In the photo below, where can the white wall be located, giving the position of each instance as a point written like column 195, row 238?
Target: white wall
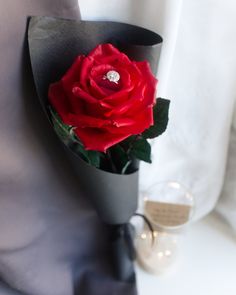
column 198, row 61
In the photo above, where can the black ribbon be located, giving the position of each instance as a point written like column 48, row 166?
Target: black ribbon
column 123, row 250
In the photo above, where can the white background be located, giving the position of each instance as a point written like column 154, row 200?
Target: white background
column 206, row 266
column 198, row 72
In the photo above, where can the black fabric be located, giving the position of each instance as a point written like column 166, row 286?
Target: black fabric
column 52, row 242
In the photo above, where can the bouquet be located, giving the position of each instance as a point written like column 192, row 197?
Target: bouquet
column 96, row 84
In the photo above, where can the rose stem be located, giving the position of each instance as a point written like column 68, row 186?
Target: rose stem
column 113, row 166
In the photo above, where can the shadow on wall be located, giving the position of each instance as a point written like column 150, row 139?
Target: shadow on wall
column 149, row 14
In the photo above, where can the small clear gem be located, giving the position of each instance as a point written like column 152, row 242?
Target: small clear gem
column 113, row 76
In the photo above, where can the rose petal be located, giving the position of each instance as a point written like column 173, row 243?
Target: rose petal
column 141, row 122
column 99, row 86
column 123, row 122
column 150, row 79
column 80, row 93
column 72, row 75
column 116, row 98
column 103, row 50
column 86, row 67
column 95, row 90
column 98, row 139
column 83, row 121
column 135, row 99
column 107, row 53
column 59, row 101
column 100, row 70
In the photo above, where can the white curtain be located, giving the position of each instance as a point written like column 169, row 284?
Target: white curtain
column 198, row 73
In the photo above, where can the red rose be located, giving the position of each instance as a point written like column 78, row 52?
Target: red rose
column 105, row 109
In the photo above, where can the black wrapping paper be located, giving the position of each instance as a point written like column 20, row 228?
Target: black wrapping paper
column 54, row 44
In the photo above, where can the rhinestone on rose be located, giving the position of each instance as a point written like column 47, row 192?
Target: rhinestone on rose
column 112, row 76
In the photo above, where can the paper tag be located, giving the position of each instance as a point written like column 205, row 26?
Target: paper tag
column 167, row 214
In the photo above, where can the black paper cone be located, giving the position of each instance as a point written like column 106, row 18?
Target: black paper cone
column 114, row 195
column 54, row 43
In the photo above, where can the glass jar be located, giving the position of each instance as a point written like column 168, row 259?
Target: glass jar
column 169, row 207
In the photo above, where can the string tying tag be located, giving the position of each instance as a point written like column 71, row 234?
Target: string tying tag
column 148, row 223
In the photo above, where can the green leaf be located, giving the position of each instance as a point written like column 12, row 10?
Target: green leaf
column 93, row 158
column 62, row 130
column 160, row 114
column 67, row 135
column 120, row 158
column 141, row 150
column 127, row 143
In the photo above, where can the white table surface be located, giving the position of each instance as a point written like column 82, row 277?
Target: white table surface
column 206, row 264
